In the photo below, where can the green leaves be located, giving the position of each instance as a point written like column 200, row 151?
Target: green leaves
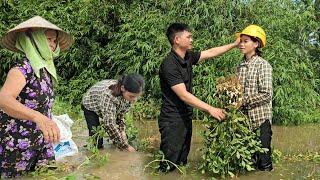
column 115, row 37
column 229, row 145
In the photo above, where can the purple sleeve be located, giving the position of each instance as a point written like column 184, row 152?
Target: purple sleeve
column 25, row 68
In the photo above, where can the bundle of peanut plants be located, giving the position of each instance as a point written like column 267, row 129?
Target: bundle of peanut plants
column 229, row 145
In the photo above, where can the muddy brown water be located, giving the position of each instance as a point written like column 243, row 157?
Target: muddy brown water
column 130, row 166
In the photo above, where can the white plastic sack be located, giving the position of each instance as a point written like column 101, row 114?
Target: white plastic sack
column 66, row 146
column 64, row 149
column 64, row 124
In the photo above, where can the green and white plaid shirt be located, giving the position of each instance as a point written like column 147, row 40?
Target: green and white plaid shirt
column 111, row 109
column 256, row 78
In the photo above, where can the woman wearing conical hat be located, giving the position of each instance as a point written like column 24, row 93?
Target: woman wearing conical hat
column 26, row 98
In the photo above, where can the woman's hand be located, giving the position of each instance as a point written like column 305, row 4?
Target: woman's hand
column 14, row 84
column 124, row 136
column 49, row 128
column 131, row 149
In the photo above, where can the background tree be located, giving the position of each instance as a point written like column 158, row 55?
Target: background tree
column 120, row 36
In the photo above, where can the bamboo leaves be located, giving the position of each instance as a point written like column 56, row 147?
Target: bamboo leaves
column 114, row 37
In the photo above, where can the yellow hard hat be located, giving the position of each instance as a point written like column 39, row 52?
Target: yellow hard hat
column 256, row 32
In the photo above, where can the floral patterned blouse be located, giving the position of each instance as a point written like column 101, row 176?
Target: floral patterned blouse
column 22, row 145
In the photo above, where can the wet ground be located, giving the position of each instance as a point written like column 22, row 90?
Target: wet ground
column 290, row 141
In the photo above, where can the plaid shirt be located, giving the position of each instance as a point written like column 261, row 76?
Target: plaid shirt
column 256, row 78
column 111, row 109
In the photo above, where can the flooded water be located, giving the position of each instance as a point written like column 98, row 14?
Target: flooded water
column 290, row 140
column 130, row 166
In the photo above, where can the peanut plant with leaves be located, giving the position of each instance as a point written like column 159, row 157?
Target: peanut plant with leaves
column 229, row 145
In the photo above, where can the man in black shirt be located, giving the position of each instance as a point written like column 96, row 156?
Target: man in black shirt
column 175, row 121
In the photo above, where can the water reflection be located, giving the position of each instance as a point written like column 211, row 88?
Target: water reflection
column 130, row 166
column 289, row 140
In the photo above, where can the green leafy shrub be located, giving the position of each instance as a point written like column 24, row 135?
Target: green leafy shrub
column 146, row 109
column 121, row 36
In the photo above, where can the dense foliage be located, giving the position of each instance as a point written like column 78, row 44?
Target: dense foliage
column 118, row 36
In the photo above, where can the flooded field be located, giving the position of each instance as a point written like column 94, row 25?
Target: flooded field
column 290, row 140
column 295, row 140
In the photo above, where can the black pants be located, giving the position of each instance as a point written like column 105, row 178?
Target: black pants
column 175, row 143
column 92, row 120
column 263, row 160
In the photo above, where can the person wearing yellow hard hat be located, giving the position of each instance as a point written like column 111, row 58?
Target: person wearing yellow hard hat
column 26, row 98
column 255, row 74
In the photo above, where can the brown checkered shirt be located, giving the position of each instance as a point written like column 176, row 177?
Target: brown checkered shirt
column 256, row 78
column 111, row 109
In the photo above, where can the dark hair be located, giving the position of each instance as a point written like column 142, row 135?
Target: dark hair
column 258, row 52
column 133, row 83
column 176, row 28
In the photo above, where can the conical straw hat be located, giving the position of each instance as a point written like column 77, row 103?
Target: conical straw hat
column 9, row 39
